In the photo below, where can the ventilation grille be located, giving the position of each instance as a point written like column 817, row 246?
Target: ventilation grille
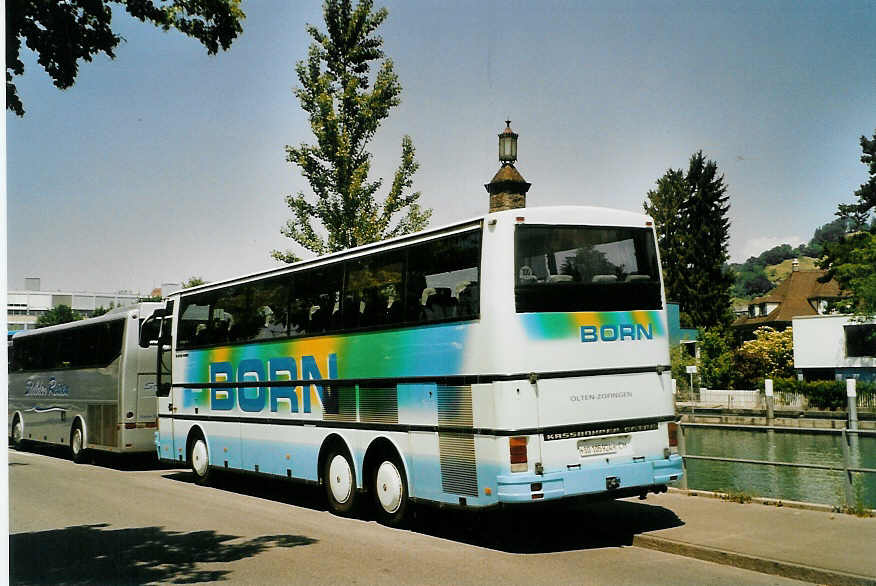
column 454, row 406
column 459, row 474
column 101, row 425
column 378, row 405
column 339, row 403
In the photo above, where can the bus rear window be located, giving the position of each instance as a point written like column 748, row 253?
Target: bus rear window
column 585, row 268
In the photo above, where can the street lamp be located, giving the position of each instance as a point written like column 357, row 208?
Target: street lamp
column 508, row 145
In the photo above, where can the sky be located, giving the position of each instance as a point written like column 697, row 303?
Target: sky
column 167, row 163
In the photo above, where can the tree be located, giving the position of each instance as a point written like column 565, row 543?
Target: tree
column 63, row 33
column 345, row 111
column 716, row 358
column 827, row 233
column 690, row 213
column 708, row 300
column 769, row 355
column 852, row 260
column 60, row 314
column 193, row 282
column 664, row 205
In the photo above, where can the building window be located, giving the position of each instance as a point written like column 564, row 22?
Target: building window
column 860, row 340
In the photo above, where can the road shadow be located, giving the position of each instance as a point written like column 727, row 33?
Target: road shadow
column 533, row 528
column 299, row 494
column 92, row 554
column 546, row 527
column 124, row 462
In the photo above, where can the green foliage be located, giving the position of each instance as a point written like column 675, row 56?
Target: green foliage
column 822, row 394
column 664, row 205
column 193, row 282
column 859, row 212
column 679, row 359
column 754, row 278
column 769, row 355
column 61, row 314
column 103, row 310
column 852, row 261
column 690, row 214
column 717, row 364
column 63, row 33
column 345, row 111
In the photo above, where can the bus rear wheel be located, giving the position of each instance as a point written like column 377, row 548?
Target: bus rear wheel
column 77, row 444
column 199, row 460
column 390, row 489
column 340, row 482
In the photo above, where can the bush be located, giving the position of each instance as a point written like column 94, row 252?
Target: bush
column 769, row 355
column 679, row 360
column 821, row 394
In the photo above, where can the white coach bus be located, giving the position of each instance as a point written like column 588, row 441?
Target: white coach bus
column 518, row 357
column 85, row 384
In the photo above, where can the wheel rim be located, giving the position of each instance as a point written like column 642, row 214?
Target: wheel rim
column 76, row 444
column 340, row 479
column 199, row 458
column 16, row 432
column 390, row 487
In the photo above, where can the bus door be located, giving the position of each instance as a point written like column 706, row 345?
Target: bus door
column 145, row 404
column 156, row 390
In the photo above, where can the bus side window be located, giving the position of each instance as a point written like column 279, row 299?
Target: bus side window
column 442, row 278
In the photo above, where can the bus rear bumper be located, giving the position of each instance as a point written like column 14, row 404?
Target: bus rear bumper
column 607, row 479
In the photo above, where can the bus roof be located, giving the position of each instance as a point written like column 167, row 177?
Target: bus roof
column 116, row 313
column 568, row 214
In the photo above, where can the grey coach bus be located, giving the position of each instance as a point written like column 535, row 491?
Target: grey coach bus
column 87, row 384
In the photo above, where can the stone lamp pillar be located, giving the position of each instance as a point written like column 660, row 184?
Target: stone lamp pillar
column 508, row 188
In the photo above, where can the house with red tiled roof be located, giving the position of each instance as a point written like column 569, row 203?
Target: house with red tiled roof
column 800, row 294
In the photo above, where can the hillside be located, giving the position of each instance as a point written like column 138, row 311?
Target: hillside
column 779, row 272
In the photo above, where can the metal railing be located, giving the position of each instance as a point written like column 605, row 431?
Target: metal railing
column 848, row 435
column 756, row 399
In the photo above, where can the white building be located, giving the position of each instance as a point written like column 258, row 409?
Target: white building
column 828, row 347
column 24, row 307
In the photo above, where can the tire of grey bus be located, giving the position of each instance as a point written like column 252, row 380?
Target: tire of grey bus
column 339, row 481
column 17, row 438
column 199, row 460
column 389, row 487
column 77, row 444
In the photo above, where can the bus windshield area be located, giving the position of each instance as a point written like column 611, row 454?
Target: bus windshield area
column 585, row 268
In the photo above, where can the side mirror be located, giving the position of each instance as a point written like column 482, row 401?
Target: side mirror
column 150, row 329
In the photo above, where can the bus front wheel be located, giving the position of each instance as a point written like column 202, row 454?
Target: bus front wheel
column 17, row 433
column 390, row 489
column 200, row 461
column 340, row 482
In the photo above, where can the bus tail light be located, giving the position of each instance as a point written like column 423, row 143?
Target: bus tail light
column 517, row 449
column 673, row 434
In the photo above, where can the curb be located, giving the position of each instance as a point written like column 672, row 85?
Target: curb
column 773, row 502
column 754, row 563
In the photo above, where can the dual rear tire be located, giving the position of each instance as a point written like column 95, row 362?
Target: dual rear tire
column 390, row 489
column 387, row 485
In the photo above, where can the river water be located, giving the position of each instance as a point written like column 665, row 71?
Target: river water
column 780, row 482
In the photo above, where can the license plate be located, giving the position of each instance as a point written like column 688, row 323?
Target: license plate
column 603, row 445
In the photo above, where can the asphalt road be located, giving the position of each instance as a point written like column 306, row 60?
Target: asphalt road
column 122, row 521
